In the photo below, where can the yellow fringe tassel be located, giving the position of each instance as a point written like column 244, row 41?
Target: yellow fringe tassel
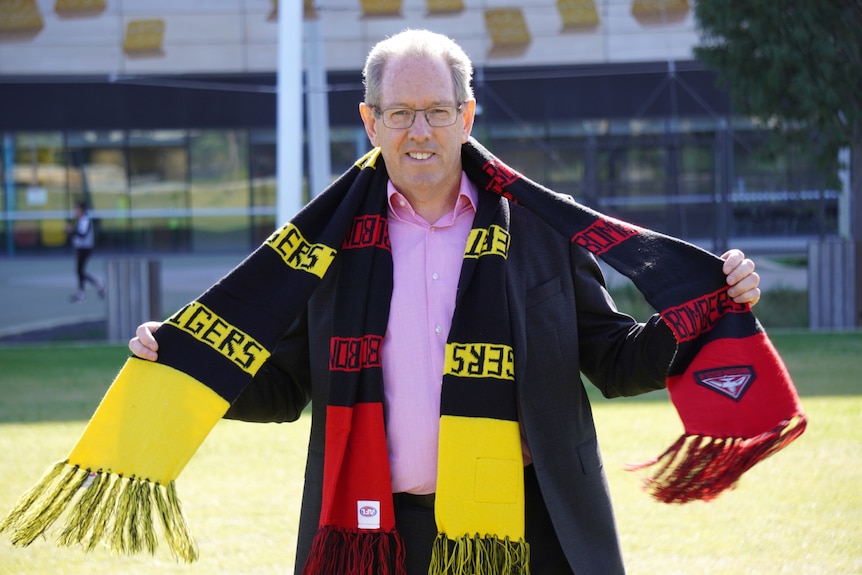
column 101, row 506
column 479, row 556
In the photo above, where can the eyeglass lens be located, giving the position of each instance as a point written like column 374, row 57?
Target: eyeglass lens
column 437, row 117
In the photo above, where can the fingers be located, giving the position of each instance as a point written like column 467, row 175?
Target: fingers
column 746, row 290
column 741, row 277
column 144, row 344
column 732, row 260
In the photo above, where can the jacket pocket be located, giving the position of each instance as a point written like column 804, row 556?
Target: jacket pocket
column 543, row 292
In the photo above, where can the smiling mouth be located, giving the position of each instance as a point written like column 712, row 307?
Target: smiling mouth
column 420, row 155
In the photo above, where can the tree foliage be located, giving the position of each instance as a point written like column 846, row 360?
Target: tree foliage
column 793, row 63
column 797, row 63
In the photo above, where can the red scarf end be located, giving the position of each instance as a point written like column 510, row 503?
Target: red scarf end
column 355, row 552
column 698, row 467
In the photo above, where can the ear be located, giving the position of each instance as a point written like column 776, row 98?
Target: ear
column 468, row 114
column 369, row 119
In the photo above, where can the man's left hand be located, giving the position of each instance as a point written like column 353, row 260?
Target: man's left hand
column 741, row 277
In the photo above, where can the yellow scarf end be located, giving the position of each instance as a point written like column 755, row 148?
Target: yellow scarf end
column 470, row 554
column 101, row 507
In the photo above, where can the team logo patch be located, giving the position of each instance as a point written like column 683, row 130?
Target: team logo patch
column 368, row 514
column 732, row 381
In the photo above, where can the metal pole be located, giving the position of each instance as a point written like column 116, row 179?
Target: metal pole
column 289, row 165
column 317, row 104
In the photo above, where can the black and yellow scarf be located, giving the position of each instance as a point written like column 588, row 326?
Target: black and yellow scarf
column 730, row 388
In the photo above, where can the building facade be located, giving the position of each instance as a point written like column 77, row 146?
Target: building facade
column 162, row 117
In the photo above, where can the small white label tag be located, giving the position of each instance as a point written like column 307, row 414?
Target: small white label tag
column 368, row 514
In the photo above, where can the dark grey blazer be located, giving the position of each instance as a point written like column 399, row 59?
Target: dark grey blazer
column 564, row 324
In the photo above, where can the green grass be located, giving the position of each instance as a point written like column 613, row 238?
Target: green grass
column 798, row 512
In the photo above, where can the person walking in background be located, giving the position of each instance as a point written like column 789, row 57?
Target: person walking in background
column 83, row 240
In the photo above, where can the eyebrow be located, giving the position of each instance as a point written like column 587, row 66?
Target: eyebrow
column 405, row 105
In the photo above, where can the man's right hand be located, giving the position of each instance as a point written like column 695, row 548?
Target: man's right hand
column 144, row 345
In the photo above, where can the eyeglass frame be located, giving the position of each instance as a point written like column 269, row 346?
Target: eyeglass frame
column 379, row 113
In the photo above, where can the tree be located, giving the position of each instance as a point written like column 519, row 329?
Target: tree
column 797, row 64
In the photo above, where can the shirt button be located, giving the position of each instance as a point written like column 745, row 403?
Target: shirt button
column 435, row 276
column 438, row 330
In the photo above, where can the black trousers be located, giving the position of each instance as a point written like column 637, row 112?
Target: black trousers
column 417, row 527
column 82, row 255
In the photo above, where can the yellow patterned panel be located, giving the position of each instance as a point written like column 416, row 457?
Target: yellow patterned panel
column 508, row 30
column 651, row 12
column 144, row 36
column 79, row 7
column 381, row 7
column 578, row 14
column 309, row 11
column 20, row 16
column 445, row 6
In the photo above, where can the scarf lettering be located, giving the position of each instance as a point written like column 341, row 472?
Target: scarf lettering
column 205, row 326
column 368, row 232
column 603, row 235
column 700, row 315
column 299, row 253
column 480, row 360
column 501, row 177
column 354, row 353
column 493, row 241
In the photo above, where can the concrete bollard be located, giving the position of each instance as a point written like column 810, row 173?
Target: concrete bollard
column 133, row 295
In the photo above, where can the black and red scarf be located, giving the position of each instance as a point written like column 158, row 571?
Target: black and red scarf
column 730, row 387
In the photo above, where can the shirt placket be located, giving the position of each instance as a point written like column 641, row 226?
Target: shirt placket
column 437, row 284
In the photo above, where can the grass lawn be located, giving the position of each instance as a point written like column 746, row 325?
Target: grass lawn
column 798, row 512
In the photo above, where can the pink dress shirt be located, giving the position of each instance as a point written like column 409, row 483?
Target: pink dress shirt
column 427, row 263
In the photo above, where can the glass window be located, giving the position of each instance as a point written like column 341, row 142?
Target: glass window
column 7, row 192
column 779, row 191
column 695, row 201
column 220, row 192
column 39, row 200
column 262, row 155
column 346, row 146
column 566, row 166
column 97, row 174
column 158, row 189
column 633, row 180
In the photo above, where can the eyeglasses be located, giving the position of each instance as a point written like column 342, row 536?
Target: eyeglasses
column 403, row 118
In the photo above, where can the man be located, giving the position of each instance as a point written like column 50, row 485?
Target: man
column 83, row 240
column 419, row 110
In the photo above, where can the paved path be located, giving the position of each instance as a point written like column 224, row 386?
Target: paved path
column 34, row 291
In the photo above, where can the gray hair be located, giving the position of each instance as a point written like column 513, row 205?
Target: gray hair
column 421, row 43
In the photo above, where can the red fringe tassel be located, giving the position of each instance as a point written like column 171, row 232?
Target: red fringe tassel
column 353, row 552
column 698, row 467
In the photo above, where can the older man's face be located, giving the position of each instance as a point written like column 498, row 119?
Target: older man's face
column 421, row 160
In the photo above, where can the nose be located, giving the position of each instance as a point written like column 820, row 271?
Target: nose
column 420, row 129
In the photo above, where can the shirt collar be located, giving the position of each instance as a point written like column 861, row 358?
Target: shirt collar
column 400, row 208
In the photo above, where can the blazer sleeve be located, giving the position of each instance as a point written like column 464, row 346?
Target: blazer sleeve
column 618, row 355
column 281, row 389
